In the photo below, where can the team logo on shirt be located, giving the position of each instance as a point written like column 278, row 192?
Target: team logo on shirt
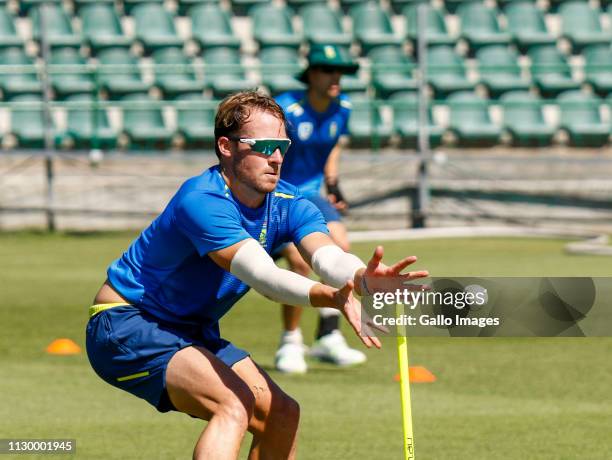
column 263, row 236
column 333, row 129
column 305, row 130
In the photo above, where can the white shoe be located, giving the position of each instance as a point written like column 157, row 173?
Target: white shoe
column 289, row 357
column 334, row 349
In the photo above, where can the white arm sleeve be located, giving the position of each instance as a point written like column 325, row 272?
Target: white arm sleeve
column 334, row 266
column 252, row 265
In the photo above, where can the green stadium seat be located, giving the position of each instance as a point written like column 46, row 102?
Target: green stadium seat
column 101, row 27
column 143, row 122
column 279, row 66
column 8, row 34
column 554, row 5
column 272, row 26
column 79, row 4
column 26, row 5
column 598, row 68
column 14, row 83
column 372, row 27
column 118, row 73
column 526, row 25
column 391, row 70
column 366, row 125
column 57, row 25
column 550, row 71
column 399, row 6
column 224, row 73
column 348, row 5
column 196, row 120
column 155, row 27
column 446, row 71
column 299, row 4
column 88, row 125
column 174, row 74
column 405, row 107
column 28, row 122
column 184, row 6
column 479, row 26
column 470, row 120
column 353, row 85
column 244, row 7
column 129, row 5
column 452, row 6
column 69, row 73
column 581, row 119
column 322, row 25
column 499, row 70
column 581, row 25
column 211, row 27
column 436, row 32
column 524, row 120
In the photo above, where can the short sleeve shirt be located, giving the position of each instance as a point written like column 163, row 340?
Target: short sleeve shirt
column 167, row 270
column 313, row 136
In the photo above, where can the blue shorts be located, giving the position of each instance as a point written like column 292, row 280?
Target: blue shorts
column 130, row 349
column 330, row 213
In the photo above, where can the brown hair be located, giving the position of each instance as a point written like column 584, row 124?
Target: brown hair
column 235, row 110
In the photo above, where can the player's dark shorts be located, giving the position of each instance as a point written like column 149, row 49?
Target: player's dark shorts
column 330, row 213
column 131, row 349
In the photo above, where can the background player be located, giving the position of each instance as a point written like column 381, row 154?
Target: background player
column 317, row 119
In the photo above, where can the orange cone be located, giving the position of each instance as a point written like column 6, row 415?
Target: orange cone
column 418, row 374
column 63, row 347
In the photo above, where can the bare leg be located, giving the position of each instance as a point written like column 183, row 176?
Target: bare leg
column 275, row 420
column 291, row 314
column 199, row 384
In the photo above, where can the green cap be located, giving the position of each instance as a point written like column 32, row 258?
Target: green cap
column 330, row 56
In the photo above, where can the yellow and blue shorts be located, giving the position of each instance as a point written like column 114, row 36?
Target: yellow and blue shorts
column 131, row 349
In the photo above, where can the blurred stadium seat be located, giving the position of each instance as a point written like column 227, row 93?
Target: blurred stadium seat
column 499, row 70
column 405, row 107
column 211, row 26
column 436, row 31
column 174, row 74
column 524, row 120
column 101, row 27
column 526, row 25
column 551, row 71
column 155, row 27
column 372, row 26
column 581, row 118
column 322, row 25
column 143, row 123
column 470, row 120
column 272, row 26
column 279, row 66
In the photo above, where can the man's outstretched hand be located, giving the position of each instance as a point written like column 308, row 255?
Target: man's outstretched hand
column 361, row 323
column 378, row 277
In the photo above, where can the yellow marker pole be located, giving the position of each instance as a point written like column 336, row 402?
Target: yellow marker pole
column 402, row 354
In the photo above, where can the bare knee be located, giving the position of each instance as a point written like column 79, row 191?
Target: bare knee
column 237, row 409
column 286, row 412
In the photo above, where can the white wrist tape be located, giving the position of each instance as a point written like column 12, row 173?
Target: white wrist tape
column 334, row 266
column 252, row 265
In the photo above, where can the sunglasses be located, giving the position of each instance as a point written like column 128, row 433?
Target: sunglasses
column 330, row 69
column 266, row 146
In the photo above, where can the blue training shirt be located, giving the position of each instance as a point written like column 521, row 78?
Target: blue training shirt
column 313, row 136
column 167, row 271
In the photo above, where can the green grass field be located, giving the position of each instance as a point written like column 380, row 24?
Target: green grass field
column 494, row 398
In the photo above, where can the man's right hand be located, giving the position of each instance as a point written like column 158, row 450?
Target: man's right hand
column 343, row 299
